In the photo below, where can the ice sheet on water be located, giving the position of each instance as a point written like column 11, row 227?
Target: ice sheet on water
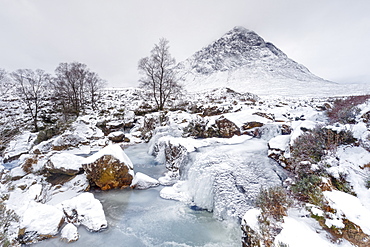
column 226, row 178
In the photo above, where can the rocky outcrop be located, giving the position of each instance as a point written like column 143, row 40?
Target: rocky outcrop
column 110, row 168
column 222, row 128
column 226, row 128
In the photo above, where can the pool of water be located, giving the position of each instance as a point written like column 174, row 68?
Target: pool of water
column 141, row 218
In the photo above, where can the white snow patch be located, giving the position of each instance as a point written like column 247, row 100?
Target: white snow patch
column 280, row 142
column 351, row 207
column 42, row 218
column 69, row 233
column 176, row 192
column 143, row 181
column 67, row 161
column 250, row 218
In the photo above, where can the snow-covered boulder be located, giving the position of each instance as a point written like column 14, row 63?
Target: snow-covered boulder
column 84, row 209
column 116, row 136
column 68, row 140
column 109, row 168
column 69, row 233
column 64, row 163
column 129, row 119
column 115, row 125
column 278, row 146
column 142, row 181
column 40, row 221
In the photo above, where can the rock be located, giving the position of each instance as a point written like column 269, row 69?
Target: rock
column 278, row 145
column 324, row 107
column 223, row 128
column 102, row 125
column 117, row 136
column 40, row 221
column 215, row 110
column 227, row 129
column 109, row 168
column 142, row 181
column 27, row 165
column 84, row 209
column 366, row 117
column 250, row 228
column 286, row 129
column 68, row 140
column 68, row 189
column 175, row 155
column 115, row 125
column 129, row 119
column 251, row 125
column 69, row 233
column 269, row 116
column 64, row 163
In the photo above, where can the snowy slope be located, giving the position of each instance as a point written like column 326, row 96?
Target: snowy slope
column 243, row 61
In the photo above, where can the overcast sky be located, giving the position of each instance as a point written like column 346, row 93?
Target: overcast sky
column 330, row 37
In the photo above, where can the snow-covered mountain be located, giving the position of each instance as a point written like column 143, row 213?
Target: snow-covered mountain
column 243, row 61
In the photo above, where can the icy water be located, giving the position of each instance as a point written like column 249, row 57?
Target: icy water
column 141, row 218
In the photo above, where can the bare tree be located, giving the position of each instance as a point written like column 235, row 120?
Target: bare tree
column 93, row 85
column 158, row 74
column 30, row 86
column 68, row 86
column 75, row 86
column 5, row 82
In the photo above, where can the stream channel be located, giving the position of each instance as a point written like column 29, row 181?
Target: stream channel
column 142, row 218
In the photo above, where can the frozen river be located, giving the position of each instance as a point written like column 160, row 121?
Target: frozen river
column 141, row 218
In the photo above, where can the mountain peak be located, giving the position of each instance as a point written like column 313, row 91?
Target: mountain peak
column 240, row 29
column 236, row 48
column 239, row 59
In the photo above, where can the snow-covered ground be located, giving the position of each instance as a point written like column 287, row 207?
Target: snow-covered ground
column 205, row 170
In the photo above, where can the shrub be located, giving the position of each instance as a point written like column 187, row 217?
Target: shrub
column 273, row 202
column 307, row 189
column 313, row 144
column 345, row 110
column 6, row 217
column 342, row 185
column 367, row 182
